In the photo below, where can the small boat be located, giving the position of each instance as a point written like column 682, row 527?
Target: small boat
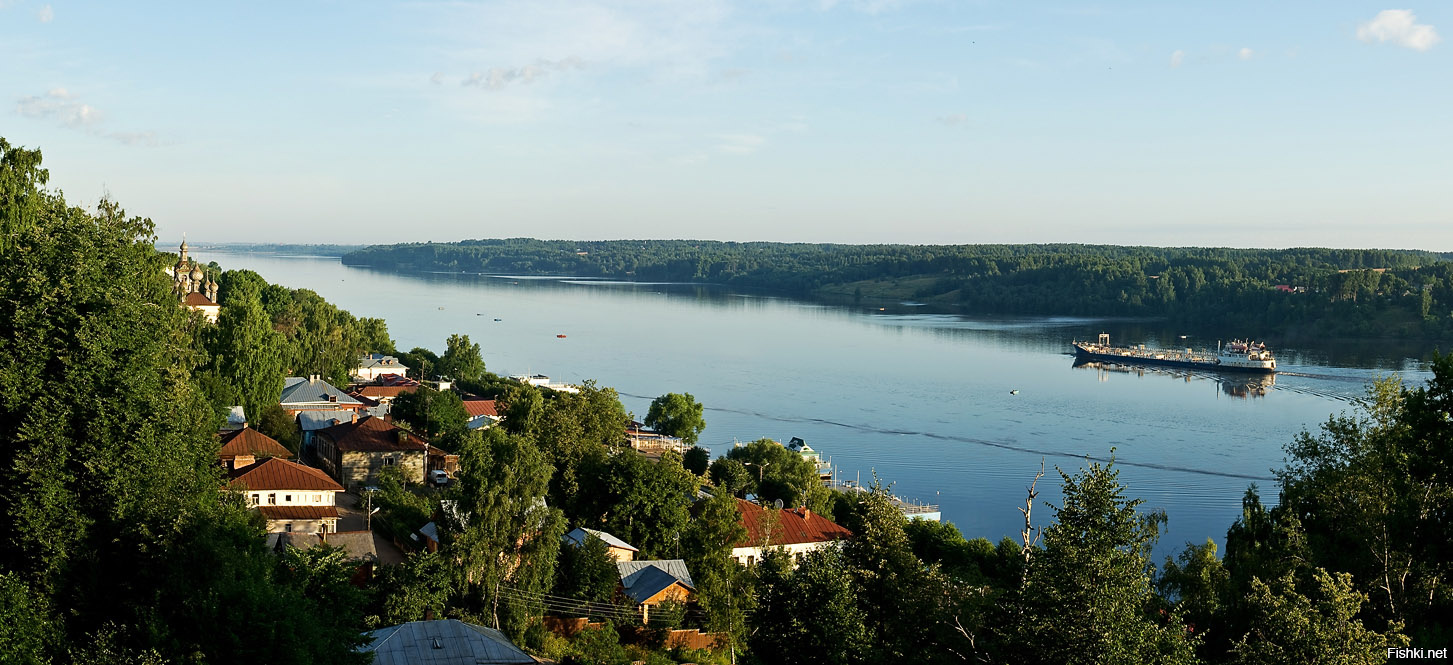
column 561, row 336
column 499, row 319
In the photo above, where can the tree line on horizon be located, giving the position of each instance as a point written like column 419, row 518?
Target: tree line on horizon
column 1357, row 293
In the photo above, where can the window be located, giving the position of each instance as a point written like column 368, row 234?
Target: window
column 272, row 499
column 288, row 527
column 256, row 498
column 317, row 498
column 287, row 498
column 388, row 461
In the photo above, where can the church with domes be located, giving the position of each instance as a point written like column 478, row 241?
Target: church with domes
column 194, row 288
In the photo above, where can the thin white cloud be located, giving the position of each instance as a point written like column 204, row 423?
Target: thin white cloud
column 1177, row 57
column 952, row 119
column 46, row 14
column 58, row 104
column 1245, row 53
column 498, row 77
column 63, row 106
column 1399, row 27
column 740, row 144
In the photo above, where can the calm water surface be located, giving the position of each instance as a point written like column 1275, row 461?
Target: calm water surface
column 921, row 399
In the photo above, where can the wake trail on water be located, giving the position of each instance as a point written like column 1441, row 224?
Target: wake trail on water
column 1003, row 445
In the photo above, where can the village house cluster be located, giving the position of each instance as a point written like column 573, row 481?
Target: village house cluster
column 320, row 493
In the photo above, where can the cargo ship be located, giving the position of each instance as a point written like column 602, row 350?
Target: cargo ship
column 1235, row 356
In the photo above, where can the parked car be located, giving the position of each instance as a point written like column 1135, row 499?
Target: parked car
column 438, row 477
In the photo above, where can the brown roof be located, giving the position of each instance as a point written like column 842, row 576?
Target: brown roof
column 298, row 512
column 278, row 474
column 371, row 435
column 385, row 392
column 248, row 441
column 195, row 299
column 794, row 527
column 480, row 407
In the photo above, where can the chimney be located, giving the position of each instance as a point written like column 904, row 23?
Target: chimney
column 242, row 461
column 355, row 416
column 403, row 436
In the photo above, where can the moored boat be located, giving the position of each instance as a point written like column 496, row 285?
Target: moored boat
column 1235, row 356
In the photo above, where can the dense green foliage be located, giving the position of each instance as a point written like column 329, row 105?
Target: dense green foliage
column 317, row 337
column 773, row 472
column 678, row 415
column 119, row 545
column 431, row 413
column 1343, row 293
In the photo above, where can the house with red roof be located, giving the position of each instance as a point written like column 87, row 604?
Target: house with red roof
column 292, row 497
column 796, row 531
column 483, row 413
column 243, row 447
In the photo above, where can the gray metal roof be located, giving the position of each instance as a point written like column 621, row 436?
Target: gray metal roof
column 358, row 545
column 579, row 535
column 643, row 579
column 315, row 420
column 301, row 390
column 379, row 360
column 445, row 642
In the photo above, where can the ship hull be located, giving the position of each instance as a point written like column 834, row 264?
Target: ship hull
column 1213, row 365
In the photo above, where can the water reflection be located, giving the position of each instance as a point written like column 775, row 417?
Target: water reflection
column 1242, row 386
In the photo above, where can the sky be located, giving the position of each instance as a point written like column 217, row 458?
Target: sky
column 1242, row 124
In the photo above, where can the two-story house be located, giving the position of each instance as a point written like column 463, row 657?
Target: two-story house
column 375, row 365
column 354, row 452
column 291, row 497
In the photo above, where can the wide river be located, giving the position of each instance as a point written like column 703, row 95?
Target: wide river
column 922, row 400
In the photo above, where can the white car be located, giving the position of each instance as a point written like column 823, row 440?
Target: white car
column 439, row 477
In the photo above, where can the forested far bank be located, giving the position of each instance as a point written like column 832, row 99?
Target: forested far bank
column 1283, row 293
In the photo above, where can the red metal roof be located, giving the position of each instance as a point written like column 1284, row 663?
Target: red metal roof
column 480, row 407
column 377, row 391
column 248, row 441
column 298, row 512
column 278, row 474
column 792, row 527
column 372, row 435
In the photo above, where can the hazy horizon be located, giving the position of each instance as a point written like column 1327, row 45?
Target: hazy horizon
column 846, row 121
column 202, row 242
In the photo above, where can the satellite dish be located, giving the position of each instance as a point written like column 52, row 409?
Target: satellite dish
column 777, row 504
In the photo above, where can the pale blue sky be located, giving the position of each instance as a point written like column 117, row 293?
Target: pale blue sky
column 1247, row 124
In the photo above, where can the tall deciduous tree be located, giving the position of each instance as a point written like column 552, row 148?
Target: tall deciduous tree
column 723, row 586
column 432, row 413
column 774, row 472
column 1088, row 595
column 461, row 360
column 678, row 415
column 644, row 502
column 810, row 614
column 1372, row 492
column 109, row 490
column 248, row 353
column 504, row 538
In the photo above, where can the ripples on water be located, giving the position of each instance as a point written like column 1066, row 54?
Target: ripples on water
column 921, row 399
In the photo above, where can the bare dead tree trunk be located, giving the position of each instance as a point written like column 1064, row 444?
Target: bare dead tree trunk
column 1030, row 535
